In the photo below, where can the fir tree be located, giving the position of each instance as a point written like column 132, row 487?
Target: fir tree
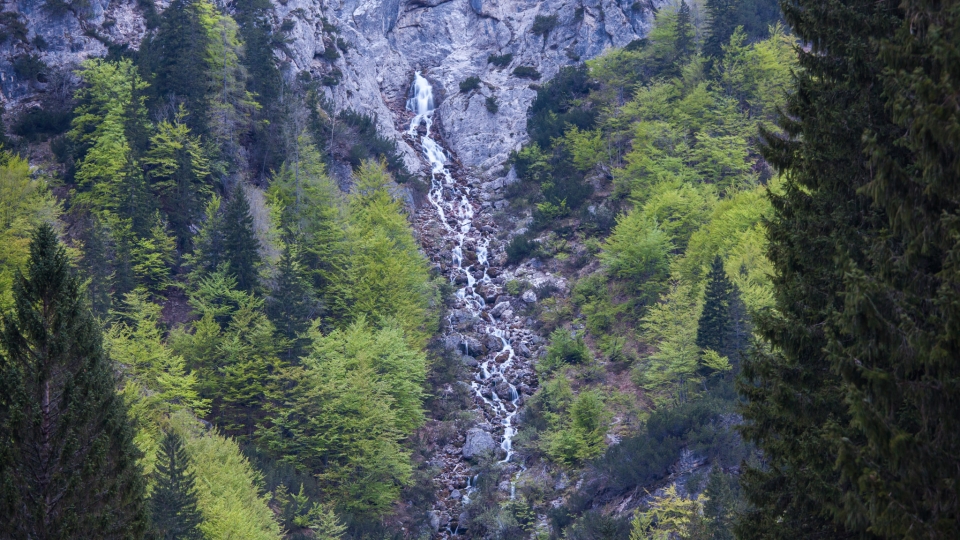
column 685, row 33
column 173, row 503
column 714, row 326
column 179, row 175
column 797, row 408
column 723, row 22
column 265, row 81
column 292, row 305
column 241, row 248
column 67, row 460
column 719, row 506
column 895, row 342
column 177, row 57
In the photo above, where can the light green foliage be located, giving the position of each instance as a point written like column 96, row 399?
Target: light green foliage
column 753, row 74
column 565, row 348
column 156, row 380
column 577, row 433
column 348, row 407
column 638, row 253
column 593, row 295
column 228, row 487
column 230, row 105
column 400, row 368
column 388, row 277
column 680, row 211
column 712, row 360
column 586, row 147
column 152, row 257
column 233, row 351
column 110, row 104
column 669, row 374
column 671, row 516
column 179, row 174
column 25, row 202
column 735, row 232
column 136, row 343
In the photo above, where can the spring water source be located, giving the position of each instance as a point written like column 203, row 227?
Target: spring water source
column 456, row 214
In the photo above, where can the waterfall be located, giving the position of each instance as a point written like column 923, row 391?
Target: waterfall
column 456, row 213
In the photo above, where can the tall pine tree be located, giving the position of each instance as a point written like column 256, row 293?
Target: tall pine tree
column 685, row 33
column 797, row 408
column 896, row 342
column 176, row 56
column 241, row 248
column 292, row 305
column 723, row 21
column 173, row 503
column 714, row 326
column 68, row 464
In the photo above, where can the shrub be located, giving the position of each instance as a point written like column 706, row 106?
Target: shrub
column 565, row 347
column 527, row 72
column 28, row 66
column 469, row 84
column 330, row 53
column 12, row 26
column 553, row 108
column 543, row 25
column 520, row 248
column 332, row 78
column 39, row 123
column 492, row 104
column 342, row 44
column 500, row 60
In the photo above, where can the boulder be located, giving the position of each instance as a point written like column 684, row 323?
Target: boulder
column 433, row 519
column 479, row 442
column 499, row 308
column 529, row 297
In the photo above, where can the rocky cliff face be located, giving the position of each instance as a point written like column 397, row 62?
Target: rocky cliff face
column 388, row 40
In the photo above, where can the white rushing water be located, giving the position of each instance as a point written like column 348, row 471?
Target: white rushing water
column 456, row 214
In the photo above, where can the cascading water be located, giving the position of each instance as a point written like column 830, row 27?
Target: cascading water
column 456, row 214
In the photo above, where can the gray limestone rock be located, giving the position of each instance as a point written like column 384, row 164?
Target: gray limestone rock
column 448, row 40
column 500, row 308
column 478, row 442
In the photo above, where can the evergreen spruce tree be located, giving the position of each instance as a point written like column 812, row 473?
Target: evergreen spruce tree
column 241, row 249
column 292, row 304
column 173, row 503
column 896, row 342
column 719, row 508
column 68, row 464
column 723, row 21
column 685, row 33
column 714, row 326
column 797, row 406
column 176, row 56
column 265, row 81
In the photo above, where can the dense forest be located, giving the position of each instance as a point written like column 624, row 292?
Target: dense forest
column 220, row 318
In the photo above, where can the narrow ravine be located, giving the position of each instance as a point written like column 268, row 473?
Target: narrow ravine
column 494, row 342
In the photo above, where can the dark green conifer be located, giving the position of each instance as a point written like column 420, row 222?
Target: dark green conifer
column 241, row 248
column 720, row 507
column 265, row 81
column 68, row 465
column 723, row 21
column 292, row 304
column 685, row 33
column 896, row 342
column 173, row 503
column 714, row 326
column 797, row 405
column 176, row 56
